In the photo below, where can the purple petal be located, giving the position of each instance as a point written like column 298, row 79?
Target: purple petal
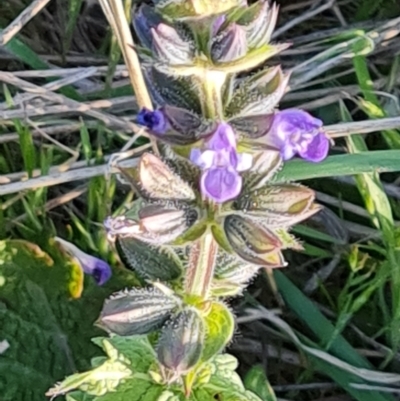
column 99, row 269
column 155, row 120
column 317, row 150
column 195, row 156
column 297, row 132
column 221, row 184
column 222, row 138
column 216, row 24
column 287, row 151
column 204, row 159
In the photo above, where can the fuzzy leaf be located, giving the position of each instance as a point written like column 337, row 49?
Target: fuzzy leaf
column 153, row 179
column 138, row 311
column 220, row 326
column 149, row 261
column 258, row 94
column 47, row 327
column 172, row 90
column 96, row 382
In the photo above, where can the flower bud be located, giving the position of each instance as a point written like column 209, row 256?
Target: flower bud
column 154, row 180
column 230, row 268
column 253, row 243
column 177, row 9
column 182, row 341
column 155, row 224
column 252, row 127
column 175, row 125
column 229, row 45
column 259, row 22
column 171, row 47
column 150, row 262
column 278, row 205
column 167, row 88
column 137, row 311
column 143, row 20
column 258, row 94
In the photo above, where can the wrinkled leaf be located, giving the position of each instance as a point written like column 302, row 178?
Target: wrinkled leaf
column 220, row 326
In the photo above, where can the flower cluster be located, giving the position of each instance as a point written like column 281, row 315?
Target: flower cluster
column 292, row 132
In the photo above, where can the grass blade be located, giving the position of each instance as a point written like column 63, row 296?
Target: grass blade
column 381, row 161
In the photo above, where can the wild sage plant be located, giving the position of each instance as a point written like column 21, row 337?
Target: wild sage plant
column 208, row 214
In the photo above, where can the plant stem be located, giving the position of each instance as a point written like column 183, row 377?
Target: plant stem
column 116, row 16
column 203, row 254
column 213, row 82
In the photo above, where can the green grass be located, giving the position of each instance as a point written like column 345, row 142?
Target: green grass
column 333, row 330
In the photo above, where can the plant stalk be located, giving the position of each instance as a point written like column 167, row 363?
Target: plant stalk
column 203, row 255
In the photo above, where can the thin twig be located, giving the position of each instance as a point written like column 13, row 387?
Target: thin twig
column 8, row 33
column 114, row 11
column 108, row 119
column 362, row 127
column 303, row 17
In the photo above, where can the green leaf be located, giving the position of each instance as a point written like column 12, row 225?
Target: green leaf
column 43, row 319
column 134, row 390
column 224, row 376
column 97, row 382
column 136, row 349
column 29, row 57
column 257, row 382
column 79, row 396
column 380, row 161
column 220, row 326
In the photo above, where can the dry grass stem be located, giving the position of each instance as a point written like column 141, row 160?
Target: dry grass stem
column 8, row 33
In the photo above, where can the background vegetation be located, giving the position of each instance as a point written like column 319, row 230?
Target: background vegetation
column 327, row 328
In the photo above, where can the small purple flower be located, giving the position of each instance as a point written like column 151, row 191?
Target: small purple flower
column 221, row 165
column 155, row 120
column 100, row 270
column 294, row 132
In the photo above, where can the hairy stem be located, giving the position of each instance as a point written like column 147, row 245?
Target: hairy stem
column 213, row 82
column 203, row 254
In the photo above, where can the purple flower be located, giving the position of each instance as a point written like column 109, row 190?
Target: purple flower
column 100, row 270
column 294, row 132
column 221, row 165
column 155, row 120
